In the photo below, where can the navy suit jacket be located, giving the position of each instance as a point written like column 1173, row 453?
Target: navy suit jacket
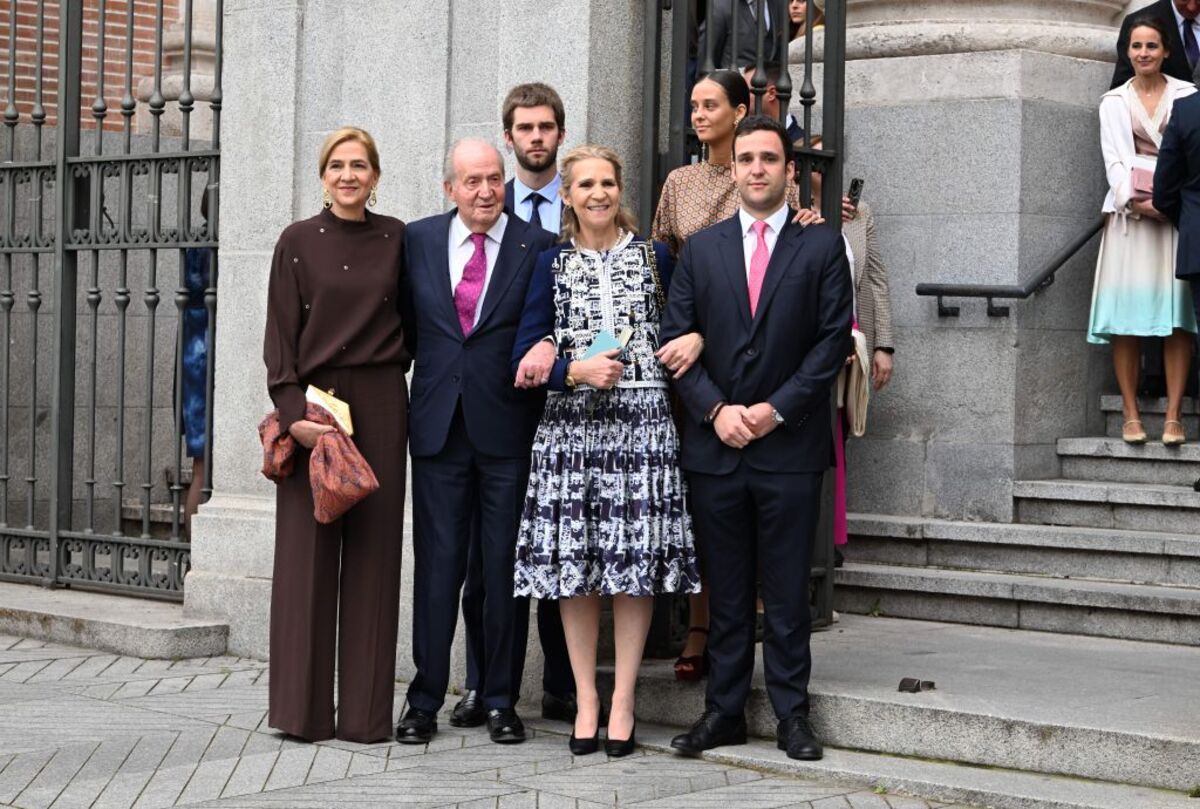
column 789, row 354
column 500, row 419
column 1177, row 181
column 1176, row 64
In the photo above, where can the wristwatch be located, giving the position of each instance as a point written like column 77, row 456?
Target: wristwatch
column 776, row 415
column 569, row 381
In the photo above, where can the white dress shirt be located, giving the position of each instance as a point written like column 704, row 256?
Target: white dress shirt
column 462, row 248
column 775, row 223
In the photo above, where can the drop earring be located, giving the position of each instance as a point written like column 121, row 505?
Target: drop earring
column 326, row 200
column 374, row 198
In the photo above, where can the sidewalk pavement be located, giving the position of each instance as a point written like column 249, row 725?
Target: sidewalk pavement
column 82, row 728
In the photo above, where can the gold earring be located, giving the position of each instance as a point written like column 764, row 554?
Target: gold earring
column 326, row 200
column 374, row 198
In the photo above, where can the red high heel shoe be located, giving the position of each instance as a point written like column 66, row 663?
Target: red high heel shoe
column 692, row 668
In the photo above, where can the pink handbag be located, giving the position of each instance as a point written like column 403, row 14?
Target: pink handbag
column 1143, row 184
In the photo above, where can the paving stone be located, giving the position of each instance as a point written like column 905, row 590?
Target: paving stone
column 208, row 781
column 764, row 793
column 43, row 790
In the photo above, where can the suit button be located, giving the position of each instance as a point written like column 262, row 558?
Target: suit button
column 751, row 352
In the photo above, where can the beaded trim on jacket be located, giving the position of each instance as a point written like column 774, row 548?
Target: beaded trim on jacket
column 609, row 291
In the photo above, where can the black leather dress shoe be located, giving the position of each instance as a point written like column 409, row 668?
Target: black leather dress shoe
column 504, row 726
column 795, row 735
column 712, row 730
column 469, row 712
column 559, row 708
column 417, row 727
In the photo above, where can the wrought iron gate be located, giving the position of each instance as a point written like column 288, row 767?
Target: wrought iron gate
column 679, row 58
column 96, row 213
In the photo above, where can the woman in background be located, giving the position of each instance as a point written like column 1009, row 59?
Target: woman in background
column 1135, row 293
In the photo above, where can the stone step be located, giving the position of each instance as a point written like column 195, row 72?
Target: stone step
column 1144, row 557
column 112, row 623
column 1111, row 459
column 893, row 778
column 1076, row 606
column 1097, row 504
column 1152, row 412
column 1091, row 708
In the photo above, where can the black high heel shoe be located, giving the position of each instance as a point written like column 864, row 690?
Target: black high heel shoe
column 617, row 748
column 584, row 747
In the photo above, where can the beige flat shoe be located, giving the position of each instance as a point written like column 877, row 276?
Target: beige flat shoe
column 1130, row 435
column 1173, row 438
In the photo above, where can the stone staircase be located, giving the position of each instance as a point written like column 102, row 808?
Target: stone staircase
column 1064, row 645
column 1110, row 549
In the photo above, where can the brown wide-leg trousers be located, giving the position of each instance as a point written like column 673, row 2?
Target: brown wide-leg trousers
column 338, row 585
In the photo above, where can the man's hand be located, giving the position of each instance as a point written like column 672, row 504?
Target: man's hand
column 681, row 353
column 534, row 370
column 759, row 419
column 881, row 369
column 307, row 432
column 731, row 427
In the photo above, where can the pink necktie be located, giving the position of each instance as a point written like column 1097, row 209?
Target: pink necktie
column 467, row 293
column 758, row 264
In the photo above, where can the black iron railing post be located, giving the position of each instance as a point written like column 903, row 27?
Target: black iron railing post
column 67, row 214
column 833, row 108
column 651, row 71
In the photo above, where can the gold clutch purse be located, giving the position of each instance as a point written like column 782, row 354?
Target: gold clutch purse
column 336, row 407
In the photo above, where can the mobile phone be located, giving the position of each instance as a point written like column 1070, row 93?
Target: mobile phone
column 856, row 186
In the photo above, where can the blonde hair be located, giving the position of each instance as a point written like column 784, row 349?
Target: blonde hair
column 588, row 151
column 340, row 136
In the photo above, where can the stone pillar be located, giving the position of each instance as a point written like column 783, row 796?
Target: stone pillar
column 418, row 76
column 975, row 127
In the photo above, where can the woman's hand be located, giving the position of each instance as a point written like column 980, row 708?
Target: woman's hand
column 681, row 354
column 1146, row 208
column 882, row 369
column 849, row 210
column 807, row 216
column 601, row 371
column 307, row 432
column 535, row 367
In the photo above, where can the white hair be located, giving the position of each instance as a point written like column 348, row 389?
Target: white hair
column 448, row 163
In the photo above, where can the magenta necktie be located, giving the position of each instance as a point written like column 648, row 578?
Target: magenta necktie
column 758, row 264
column 467, row 293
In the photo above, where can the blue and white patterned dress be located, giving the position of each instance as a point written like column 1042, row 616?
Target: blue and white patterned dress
column 606, row 507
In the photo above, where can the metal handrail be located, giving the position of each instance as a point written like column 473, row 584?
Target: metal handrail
column 1040, row 280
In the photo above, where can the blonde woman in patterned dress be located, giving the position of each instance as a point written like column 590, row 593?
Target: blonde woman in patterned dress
column 695, row 197
column 605, row 511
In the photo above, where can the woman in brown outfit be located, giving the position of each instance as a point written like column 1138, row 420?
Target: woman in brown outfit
column 333, row 321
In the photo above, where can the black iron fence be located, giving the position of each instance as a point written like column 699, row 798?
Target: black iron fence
column 105, row 393
column 678, row 51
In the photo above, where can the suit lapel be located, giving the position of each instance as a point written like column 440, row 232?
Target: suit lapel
column 514, row 246
column 439, row 264
column 785, row 249
column 733, row 261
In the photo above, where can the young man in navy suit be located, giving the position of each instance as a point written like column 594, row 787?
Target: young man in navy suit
column 533, row 120
column 772, row 299
column 470, row 432
column 1177, row 190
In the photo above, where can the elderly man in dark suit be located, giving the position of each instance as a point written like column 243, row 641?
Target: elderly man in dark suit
column 470, row 431
column 772, row 300
column 1182, row 18
column 533, row 119
column 1177, row 190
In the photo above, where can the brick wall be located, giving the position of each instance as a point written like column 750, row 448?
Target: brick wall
column 116, row 22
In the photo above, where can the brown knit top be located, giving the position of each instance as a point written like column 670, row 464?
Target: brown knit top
column 333, row 302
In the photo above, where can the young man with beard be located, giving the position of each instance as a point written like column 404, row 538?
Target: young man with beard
column 533, row 119
column 533, row 129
